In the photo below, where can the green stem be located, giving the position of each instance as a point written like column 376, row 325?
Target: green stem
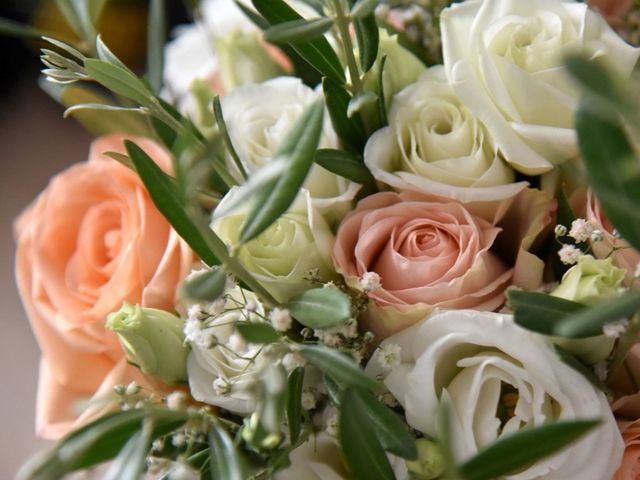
column 342, row 22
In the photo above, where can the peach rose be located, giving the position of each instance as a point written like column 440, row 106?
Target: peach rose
column 627, row 403
column 612, row 10
column 625, row 256
column 92, row 240
column 630, row 468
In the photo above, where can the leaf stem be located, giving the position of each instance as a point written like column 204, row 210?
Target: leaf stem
column 342, row 21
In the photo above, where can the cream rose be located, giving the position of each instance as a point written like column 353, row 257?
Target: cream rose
column 318, row 458
column 92, row 240
column 435, row 145
column 498, row 378
column 282, row 257
column 260, row 116
column 504, row 59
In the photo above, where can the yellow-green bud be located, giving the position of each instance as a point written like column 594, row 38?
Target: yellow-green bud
column 153, row 340
column 430, row 462
column 590, row 281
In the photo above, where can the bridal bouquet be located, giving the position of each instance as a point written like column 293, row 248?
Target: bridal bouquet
column 332, row 239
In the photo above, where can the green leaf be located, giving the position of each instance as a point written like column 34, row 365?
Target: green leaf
column 225, row 459
column 107, row 55
column 294, row 402
column 363, row 8
column 131, row 460
column 361, row 448
column 340, row 367
column 206, row 286
column 334, row 389
column 297, row 30
column 382, row 102
column 589, row 322
column 78, row 15
column 519, row 450
column 98, row 441
column 540, row 312
column 317, row 52
column 344, row 164
column 350, row 130
column 156, row 38
column 118, row 80
column 299, row 147
column 222, row 125
column 164, row 196
column 256, row 332
column 12, row 28
column 392, row 432
column 613, row 170
column 321, row 307
column 360, row 101
column 368, row 38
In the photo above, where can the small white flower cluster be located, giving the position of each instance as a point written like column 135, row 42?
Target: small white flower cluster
column 369, row 282
column 389, row 356
column 581, row 231
column 616, row 329
column 334, row 337
column 280, row 319
column 569, row 254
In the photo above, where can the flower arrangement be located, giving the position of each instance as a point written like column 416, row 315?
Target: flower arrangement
column 344, row 239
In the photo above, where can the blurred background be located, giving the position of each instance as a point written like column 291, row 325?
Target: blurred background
column 35, row 144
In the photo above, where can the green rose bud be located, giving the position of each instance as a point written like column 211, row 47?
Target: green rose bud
column 244, row 60
column 153, row 340
column 590, row 281
column 430, row 462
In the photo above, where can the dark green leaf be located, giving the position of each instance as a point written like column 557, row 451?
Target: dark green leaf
column 359, row 102
column 340, row 367
column 392, row 432
column 361, row 448
column 350, row 130
column 255, row 332
column 206, row 286
column 540, row 312
column 519, row 450
column 131, row 460
column 164, row 196
column 225, row 459
column 317, row 52
column 294, row 402
column 222, row 125
column 382, row 101
column 118, row 80
column 613, row 170
column 363, row 8
column 297, row 30
column 156, row 37
column 334, row 389
column 321, row 307
column 368, row 39
column 589, row 322
column 299, row 147
column 346, row 165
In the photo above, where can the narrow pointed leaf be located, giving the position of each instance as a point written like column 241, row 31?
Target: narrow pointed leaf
column 225, row 459
column 342, row 368
column 344, row 164
column 613, row 170
column 363, row 8
column 294, row 402
column 350, row 130
column 299, row 147
column 256, row 332
column 118, row 80
column 368, row 38
column 317, row 52
column 222, row 125
column 78, row 16
column 360, row 446
column 321, row 307
column 589, row 322
column 540, row 312
column 164, row 196
column 521, row 449
column 131, row 460
column 107, row 55
column 382, row 102
column 297, row 30
column 206, row 286
column 156, row 38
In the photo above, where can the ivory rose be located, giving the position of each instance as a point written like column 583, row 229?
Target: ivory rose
column 435, row 145
column 92, row 240
column 260, row 116
column 624, row 256
column 428, row 254
column 318, row 458
column 630, row 468
column 504, row 59
column 498, row 378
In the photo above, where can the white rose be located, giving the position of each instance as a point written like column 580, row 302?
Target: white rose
column 260, row 116
column 319, row 458
column 482, row 363
column 282, row 257
column 214, row 369
column 504, row 59
column 435, row 145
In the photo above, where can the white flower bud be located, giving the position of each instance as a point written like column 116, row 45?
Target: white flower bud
column 176, row 400
column 560, row 230
column 597, row 236
column 280, row 319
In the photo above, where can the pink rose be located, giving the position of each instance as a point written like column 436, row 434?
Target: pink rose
column 612, row 10
column 627, row 403
column 92, row 240
column 625, row 256
column 630, row 467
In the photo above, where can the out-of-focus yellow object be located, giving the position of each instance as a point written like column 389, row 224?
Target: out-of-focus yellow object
column 123, row 26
